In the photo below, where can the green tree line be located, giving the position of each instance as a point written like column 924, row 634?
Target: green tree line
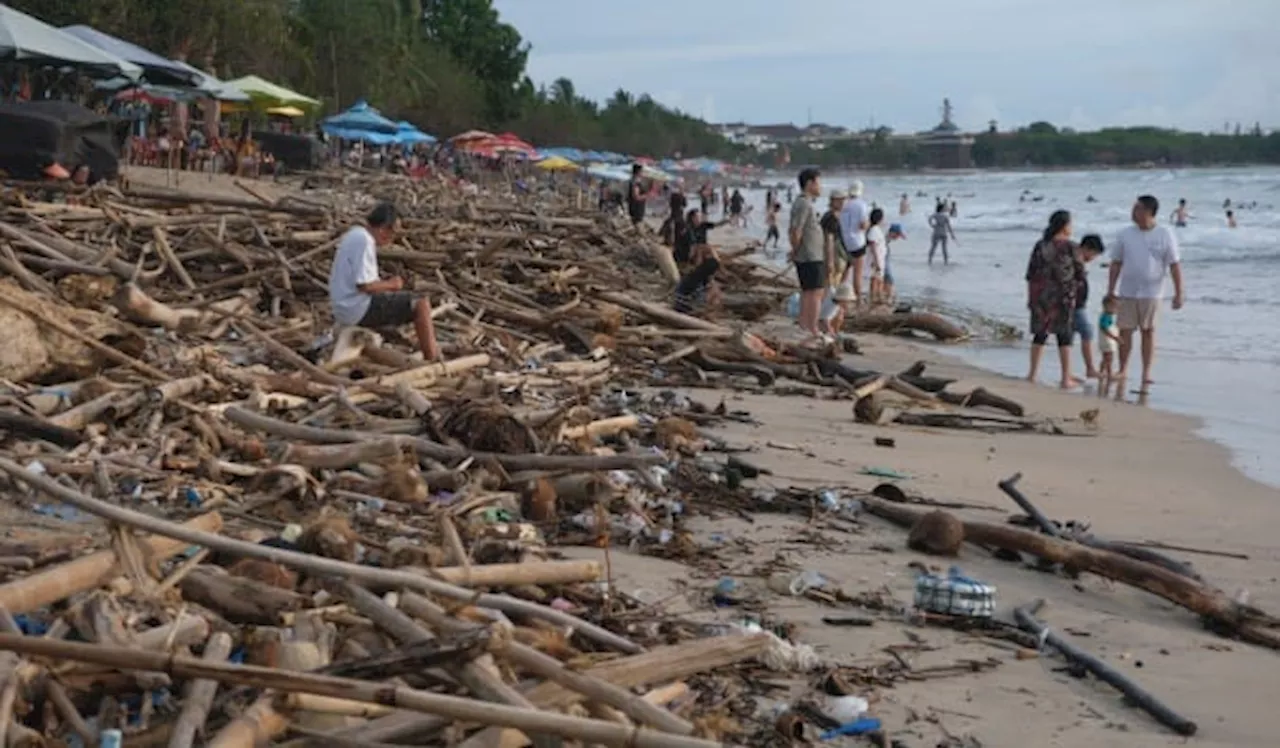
column 445, row 65
column 1042, row 145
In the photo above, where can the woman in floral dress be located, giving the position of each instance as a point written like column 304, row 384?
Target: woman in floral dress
column 1054, row 274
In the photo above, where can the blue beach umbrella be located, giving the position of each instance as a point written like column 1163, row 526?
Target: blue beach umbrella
column 407, row 134
column 360, row 117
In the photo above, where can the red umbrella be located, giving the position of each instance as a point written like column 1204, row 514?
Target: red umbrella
column 471, row 136
column 502, row 144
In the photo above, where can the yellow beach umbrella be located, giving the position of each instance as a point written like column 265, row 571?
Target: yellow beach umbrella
column 557, row 163
column 286, row 111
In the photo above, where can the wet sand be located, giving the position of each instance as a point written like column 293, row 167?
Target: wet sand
column 1143, row 476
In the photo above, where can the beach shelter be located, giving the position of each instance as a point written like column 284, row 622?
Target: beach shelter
column 212, row 87
column 557, row 163
column 27, row 39
column 291, row 112
column 270, row 94
column 407, row 134
column 506, row 143
column 155, row 69
column 572, row 154
column 361, row 116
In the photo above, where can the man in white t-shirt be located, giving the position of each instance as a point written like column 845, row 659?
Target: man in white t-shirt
column 854, row 220
column 360, row 298
column 1140, row 259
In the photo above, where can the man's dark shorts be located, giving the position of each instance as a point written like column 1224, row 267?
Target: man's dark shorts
column 860, row 252
column 810, row 275
column 389, row 310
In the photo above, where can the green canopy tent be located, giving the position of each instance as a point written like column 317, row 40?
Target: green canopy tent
column 30, row 40
column 264, row 92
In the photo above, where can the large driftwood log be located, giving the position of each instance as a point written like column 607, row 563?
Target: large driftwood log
column 1224, row 613
column 1009, row 486
column 980, row 397
column 892, row 324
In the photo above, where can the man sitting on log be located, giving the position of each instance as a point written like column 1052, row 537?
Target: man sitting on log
column 360, row 298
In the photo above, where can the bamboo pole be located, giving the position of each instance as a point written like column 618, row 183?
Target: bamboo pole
column 453, row 707
column 88, row 572
column 199, row 695
column 308, row 562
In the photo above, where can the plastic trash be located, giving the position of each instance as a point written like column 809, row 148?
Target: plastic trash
column 829, row 500
column 793, row 305
column 860, row 726
column 955, row 594
column 110, row 739
column 723, row 592
column 846, row 709
column 796, row 585
column 192, row 496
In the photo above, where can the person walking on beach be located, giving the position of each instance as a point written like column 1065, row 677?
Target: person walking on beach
column 1054, row 274
column 805, row 234
column 895, row 233
column 1090, row 249
column 854, row 220
column 636, row 193
column 839, row 275
column 940, row 222
column 1143, row 255
column 359, row 298
column 1180, row 214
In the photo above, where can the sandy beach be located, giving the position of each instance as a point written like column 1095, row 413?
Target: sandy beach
column 1139, row 475
column 1143, row 475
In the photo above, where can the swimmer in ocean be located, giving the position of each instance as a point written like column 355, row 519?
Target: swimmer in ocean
column 1231, row 219
column 1180, row 214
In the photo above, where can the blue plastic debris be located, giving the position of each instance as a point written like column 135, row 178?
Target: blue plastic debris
column 860, row 726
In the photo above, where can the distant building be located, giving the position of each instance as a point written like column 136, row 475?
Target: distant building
column 945, row 147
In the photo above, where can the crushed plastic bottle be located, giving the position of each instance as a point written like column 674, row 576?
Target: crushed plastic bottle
column 829, row 500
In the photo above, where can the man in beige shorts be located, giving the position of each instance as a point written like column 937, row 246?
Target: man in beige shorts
column 1141, row 257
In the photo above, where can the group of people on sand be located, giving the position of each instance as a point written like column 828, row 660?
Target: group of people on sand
column 1142, row 257
column 835, row 252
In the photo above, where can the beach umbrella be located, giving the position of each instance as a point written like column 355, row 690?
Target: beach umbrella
column 572, row 154
column 471, row 135
column 657, row 175
column 155, row 69
column 557, row 163
column 407, row 134
column 27, row 39
column 360, row 117
column 364, row 136
column 271, row 94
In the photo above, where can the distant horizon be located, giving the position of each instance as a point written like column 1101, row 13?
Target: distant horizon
column 1177, row 64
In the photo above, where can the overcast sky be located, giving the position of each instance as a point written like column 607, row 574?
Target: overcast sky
column 1192, row 64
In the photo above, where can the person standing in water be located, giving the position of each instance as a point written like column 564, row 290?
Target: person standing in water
column 854, row 220
column 1054, row 275
column 1143, row 255
column 1180, row 214
column 940, row 222
column 1231, row 219
column 771, row 220
column 904, row 205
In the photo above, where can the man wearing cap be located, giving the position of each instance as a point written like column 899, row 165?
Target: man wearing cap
column 854, row 220
column 360, row 298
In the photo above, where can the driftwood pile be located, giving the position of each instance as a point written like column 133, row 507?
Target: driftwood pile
column 330, row 540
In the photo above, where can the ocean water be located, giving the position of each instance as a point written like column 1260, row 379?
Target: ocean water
column 1218, row 358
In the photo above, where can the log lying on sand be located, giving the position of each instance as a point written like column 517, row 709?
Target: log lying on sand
column 980, row 397
column 1026, row 619
column 890, row 323
column 1221, row 611
column 1047, row 526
